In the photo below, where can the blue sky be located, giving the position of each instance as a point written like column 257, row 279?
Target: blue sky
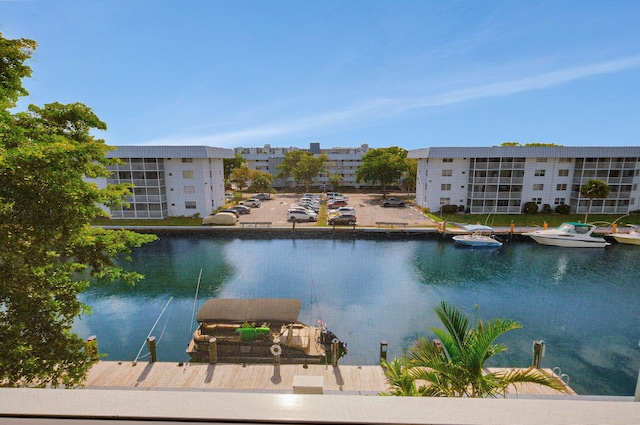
column 413, row 74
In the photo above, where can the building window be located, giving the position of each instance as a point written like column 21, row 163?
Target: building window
column 187, row 174
column 189, row 190
column 541, row 159
column 559, row 201
column 561, row 186
column 445, row 186
column 538, row 186
column 447, row 159
column 537, row 200
column 564, row 160
column 187, row 160
column 190, row 205
column 447, row 173
column 539, row 173
column 445, row 201
column 563, row 173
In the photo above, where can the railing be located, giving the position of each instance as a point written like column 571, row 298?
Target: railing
column 391, row 224
column 256, row 223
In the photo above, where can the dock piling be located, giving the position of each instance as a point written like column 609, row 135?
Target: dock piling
column 213, row 350
column 383, row 349
column 538, row 353
column 151, row 343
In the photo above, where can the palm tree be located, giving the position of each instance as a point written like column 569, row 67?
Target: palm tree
column 594, row 189
column 453, row 366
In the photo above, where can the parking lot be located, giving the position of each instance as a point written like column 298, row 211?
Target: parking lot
column 368, row 211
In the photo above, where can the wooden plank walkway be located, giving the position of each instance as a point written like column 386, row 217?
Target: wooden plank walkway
column 363, row 380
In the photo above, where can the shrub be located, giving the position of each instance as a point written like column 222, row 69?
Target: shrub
column 546, row 208
column 563, row 209
column 448, row 209
column 530, row 208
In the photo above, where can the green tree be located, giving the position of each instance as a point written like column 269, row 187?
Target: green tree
column 261, row 182
column 453, row 366
column 335, row 180
column 46, row 209
column 384, row 166
column 289, row 163
column 303, row 166
column 410, row 175
column 309, row 169
column 593, row 189
column 232, row 163
column 241, row 177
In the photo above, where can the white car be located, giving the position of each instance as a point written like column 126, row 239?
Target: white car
column 252, row 202
column 343, row 210
column 301, row 215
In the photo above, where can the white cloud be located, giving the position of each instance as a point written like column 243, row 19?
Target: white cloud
column 384, row 108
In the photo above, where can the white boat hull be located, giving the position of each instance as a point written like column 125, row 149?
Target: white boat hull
column 475, row 241
column 569, row 241
column 627, row 239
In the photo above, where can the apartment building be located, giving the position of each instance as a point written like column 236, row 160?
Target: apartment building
column 502, row 179
column 342, row 161
column 169, row 180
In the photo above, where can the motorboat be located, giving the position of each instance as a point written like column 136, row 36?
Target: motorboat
column 631, row 238
column 263, row 330
column 478, row 239
column 571, row 235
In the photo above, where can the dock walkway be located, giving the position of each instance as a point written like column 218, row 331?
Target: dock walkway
column 352, row 380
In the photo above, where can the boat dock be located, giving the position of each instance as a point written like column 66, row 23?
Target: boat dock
column 270, row 378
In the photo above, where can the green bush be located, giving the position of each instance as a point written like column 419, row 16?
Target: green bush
column 546, row 208
column 563, row 209
column 449, row 209
column 530, row 208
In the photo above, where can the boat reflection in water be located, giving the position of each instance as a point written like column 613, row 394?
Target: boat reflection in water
column 259, row 331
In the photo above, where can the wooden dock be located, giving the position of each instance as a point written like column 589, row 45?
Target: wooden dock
column 353, row 380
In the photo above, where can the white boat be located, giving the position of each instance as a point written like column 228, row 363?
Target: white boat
column 570, row 234
column 630, row 238
column 477, row 239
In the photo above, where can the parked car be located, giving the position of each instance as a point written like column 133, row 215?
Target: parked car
column 303, row 208
column 220, row 219
column 232, row 211
column 251, row 202
column 342, row 219
column 262, row 196
column 336, row 203
column 343, row 210
column 392, row 202
column 300, row 215
column 336, row 195
column 241, row 209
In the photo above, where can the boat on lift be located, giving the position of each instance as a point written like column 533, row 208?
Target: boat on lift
column 479, row 236
column 571, row 235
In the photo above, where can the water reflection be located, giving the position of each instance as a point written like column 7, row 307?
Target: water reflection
column 583, row 303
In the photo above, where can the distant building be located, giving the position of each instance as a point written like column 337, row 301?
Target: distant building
column 342, row 161
column 502, row 179
column 169, row 180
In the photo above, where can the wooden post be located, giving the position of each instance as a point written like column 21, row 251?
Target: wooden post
column 545, row 225
column 92, row 348
column 538, row 352
column 637, row 394
column 151, row 343
column 213, row 350
column 513, row 227
column 614, row 228
column 335, row 351
column 383, row 349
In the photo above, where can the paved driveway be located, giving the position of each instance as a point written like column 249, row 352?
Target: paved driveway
column 368, row 211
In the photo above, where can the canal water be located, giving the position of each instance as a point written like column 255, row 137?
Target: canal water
column 583, row 303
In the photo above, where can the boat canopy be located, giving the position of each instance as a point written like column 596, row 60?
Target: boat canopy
column 284, row 310
column 477, row 228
